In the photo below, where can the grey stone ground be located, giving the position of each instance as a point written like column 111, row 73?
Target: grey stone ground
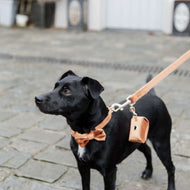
column 34, row 148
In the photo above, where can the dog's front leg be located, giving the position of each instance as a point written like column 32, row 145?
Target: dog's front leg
column 85, row 175
column 110, row 178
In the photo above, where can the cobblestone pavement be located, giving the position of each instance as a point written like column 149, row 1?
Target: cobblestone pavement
column 34, row 148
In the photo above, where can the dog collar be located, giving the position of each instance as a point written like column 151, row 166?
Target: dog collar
column 97, row 134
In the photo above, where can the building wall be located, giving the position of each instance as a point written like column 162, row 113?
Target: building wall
column 61, row 14
column 153, row 15
column 96, row 14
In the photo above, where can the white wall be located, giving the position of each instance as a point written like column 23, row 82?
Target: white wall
column 140, row 14
column 61, row 14
column 168, row 16
column 96, row 14
column 7, row 12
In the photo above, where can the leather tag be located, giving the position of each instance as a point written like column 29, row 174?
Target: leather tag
column 139, row 129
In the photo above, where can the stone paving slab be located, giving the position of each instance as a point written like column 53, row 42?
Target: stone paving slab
column 5, row 115
column 139, row 186
column 22, row 120
column 13, row 159
column 15, row 183
column 43, row 136
column 27, row 146
column 64, row 144
column 183, row 126
column 4, row 173
column 71, row 180
column 56, row 155
column 42, row 171
column 9, row 131
column 182, row 180
column 176, row 108
column 181, row 129
column 182, row 163
column 187, row 114
column 4, row 156
column 55, row 123
column 3, row 142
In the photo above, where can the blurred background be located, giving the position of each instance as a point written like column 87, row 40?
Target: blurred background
column 117, row 42
column 166, row 16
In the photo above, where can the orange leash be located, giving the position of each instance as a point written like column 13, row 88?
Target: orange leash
column 163, row 74
column 141, row 123
column 131, row 100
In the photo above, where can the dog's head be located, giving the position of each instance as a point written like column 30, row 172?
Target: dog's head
column 71, row 95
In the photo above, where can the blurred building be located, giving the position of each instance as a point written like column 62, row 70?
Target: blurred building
column 155, row 15
column 167, row 16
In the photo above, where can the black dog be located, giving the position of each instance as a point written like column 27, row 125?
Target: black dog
column 78, row 99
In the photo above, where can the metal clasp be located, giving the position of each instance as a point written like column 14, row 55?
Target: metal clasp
column 116, row 106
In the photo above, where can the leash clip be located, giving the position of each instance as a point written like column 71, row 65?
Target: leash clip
column 132, row 110
column 116, row 106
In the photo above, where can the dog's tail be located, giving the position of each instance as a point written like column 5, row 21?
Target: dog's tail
column 152, row 91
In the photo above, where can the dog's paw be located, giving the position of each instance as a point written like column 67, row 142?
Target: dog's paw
column 146, row 174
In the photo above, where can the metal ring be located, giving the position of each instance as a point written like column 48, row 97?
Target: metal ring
column 132, row 110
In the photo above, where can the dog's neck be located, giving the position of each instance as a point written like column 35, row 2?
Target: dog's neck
column 87, row 121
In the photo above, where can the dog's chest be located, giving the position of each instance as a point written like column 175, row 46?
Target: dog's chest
column 81, row 151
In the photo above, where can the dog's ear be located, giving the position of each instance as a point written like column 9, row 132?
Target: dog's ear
column 67, row 74
column 92, row 87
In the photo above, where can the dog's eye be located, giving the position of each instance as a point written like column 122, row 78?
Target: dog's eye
column 66, row 91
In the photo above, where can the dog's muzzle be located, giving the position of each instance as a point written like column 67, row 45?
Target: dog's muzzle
column 38, row 100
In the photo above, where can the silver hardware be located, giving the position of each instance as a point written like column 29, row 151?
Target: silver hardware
column 116, row 106
column 132, row 110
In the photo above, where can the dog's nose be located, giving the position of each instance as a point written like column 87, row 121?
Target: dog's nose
column 38, row 100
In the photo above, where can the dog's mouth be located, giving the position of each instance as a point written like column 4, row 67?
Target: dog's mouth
column 49, row 111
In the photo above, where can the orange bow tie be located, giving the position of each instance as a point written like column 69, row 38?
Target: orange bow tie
column 98, row 134
column 83, row 139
